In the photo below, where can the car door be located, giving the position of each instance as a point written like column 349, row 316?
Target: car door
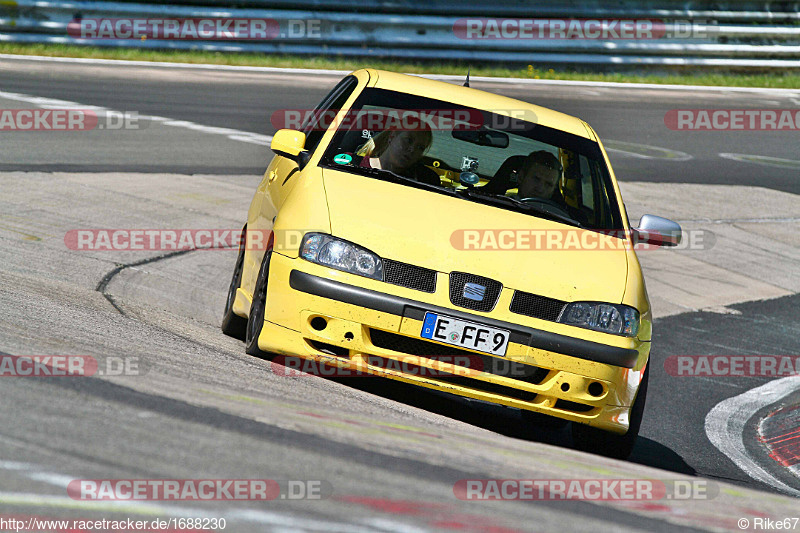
column 282, row 175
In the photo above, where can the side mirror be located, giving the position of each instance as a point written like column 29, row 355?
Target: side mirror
column 657, row 231
column 289, row 144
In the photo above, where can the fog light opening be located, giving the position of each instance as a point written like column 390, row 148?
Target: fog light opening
column 319, row 323
column 596, row 389
column 565, row 387
column 349, row 336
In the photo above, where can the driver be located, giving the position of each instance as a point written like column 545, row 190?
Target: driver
column 539, row 175
column 400, row 151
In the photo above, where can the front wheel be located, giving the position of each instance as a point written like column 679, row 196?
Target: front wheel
column 593, row 440
column 258, row 309
column 232, row 324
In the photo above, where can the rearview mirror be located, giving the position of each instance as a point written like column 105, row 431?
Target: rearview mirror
column 658, row 231
column 290, row 144
column 482, row 137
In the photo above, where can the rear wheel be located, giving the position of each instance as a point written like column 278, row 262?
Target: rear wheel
column 593, row 440
column 232, row 324
column 258, row 309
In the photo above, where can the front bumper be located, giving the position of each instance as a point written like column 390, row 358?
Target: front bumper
column 375, row 328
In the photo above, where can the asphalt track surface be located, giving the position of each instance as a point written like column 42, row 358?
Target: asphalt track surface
column 388, row 455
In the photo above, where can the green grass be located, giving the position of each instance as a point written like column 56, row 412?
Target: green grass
column 786, row 80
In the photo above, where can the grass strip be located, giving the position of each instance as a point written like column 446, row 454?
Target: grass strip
column 783, row 79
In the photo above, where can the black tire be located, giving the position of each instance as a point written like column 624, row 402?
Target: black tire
column 593, row 440
column 257, row 309
column 234, row 325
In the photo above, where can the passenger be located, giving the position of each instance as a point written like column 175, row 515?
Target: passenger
column 400, row 152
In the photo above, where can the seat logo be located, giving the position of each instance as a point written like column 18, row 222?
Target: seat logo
column 473, row 291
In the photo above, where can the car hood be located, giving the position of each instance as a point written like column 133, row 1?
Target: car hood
column 432, row 230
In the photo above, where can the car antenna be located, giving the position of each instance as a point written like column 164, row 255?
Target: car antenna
column 466, row 82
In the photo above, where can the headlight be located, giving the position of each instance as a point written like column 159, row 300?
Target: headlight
column 341, row 255
column 609, row 318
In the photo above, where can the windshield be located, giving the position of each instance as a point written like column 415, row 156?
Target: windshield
column 479, row 156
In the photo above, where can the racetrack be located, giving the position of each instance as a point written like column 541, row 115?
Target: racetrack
column 388, row 456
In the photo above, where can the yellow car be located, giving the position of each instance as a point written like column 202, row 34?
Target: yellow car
column 397, row 232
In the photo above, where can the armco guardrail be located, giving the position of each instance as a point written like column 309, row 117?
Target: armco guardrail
column 736, row 35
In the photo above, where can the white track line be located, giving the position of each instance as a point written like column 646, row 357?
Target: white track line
column 762, row 160
column 656, row 152
column 725, row 426
column 31, row 499
column 53, row 103
column 445, row 77
column 169, row 64
column 273, row 519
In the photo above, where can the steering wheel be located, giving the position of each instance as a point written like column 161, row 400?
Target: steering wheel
column 547, row 204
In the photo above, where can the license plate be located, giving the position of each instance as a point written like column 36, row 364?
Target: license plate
column 465, row 334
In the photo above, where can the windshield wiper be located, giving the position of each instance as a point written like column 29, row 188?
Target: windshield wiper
column 496, row 199
column 394, row 177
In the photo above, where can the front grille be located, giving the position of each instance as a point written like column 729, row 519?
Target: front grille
column 525, row 303
column 457, row 282
column 412, row 346
column 472, row 360
column 405, row 275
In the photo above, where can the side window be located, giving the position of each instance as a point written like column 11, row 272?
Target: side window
column 603, row 213
column 334, row 101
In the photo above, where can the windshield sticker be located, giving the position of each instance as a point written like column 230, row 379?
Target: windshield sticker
column 343, row 159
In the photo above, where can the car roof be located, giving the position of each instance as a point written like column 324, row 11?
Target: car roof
column 475, row 98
